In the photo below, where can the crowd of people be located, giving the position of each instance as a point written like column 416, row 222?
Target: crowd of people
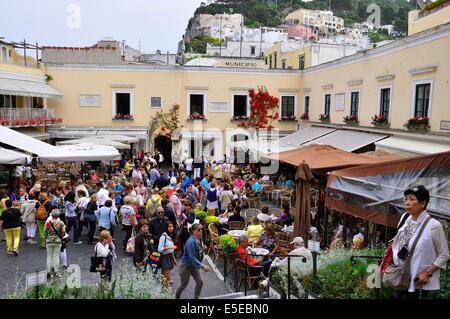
column 155, row 208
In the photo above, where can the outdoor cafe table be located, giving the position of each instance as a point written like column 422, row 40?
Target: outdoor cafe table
column 259, row 251
column 236, row 233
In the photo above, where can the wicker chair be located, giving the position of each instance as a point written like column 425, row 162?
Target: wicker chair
column 236, row 225
column 215, row 245
column 275, row 211
column 253, row 273
column 252, row 200
column 250, row 213
column 287, row 196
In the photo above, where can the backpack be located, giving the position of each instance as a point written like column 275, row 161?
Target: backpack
column 41, row 213
column 211, row 195
column 170, row 191
column 154, row 205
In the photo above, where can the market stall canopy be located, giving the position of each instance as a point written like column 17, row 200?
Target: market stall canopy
column 348, row 140
column 321, row 158
column 11, row 157
column 33, row 132
column 23, row 142
column 413, row 146
column 81, row 152
column 96, row 140
column 375, row 192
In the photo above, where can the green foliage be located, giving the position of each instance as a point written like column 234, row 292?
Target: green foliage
column 200, row 214
column 48, row 78
column 265, row 13
column 379, row 36
column 228, row 243
column 198, row 44
column 432, row 5
column 211, row 219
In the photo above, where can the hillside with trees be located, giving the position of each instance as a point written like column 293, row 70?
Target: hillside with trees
column 270, row 13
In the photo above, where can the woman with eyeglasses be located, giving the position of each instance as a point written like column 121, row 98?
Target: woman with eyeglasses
column 191, row 262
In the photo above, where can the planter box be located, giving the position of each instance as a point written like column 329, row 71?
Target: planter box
column 418, row 128
column 352, row 123
column 287, row 120
column 381, row 125
column 192, row 120
column 114, row 119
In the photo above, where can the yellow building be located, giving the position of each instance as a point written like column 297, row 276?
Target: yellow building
column 24, row 92
column 420, row 20
column 399, row 80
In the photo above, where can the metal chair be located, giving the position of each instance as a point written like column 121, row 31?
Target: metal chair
column 287, row 196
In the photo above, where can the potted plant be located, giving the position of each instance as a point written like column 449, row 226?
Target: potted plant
column 120, row 116
column 288, row 118
column 418, row 123
column 324, row 118
column 304, row 116
column 379, row 120
column 228, row 243
column 196, row 116
column 351, row 119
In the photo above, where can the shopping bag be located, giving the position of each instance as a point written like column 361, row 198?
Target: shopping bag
column 131, row 244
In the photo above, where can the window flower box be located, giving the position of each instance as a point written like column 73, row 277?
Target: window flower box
column 288, row 118
column 418, row 123
column 126, row 117
column 351, row 120
column 196, row 116
column 324, row 118
column 239, row 118
column 304, row 116
column 379, row 120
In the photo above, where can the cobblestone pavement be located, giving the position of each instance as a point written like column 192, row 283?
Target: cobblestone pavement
column 33, row 258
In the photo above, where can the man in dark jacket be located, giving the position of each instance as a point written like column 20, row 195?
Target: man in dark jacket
column 168, row 212
column 158, row 225
column 161, row 181
column 236, row 217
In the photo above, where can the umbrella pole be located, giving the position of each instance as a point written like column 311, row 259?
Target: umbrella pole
column 325, row 230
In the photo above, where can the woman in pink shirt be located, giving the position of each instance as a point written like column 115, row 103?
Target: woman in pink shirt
column 175, row 200
column 238, row 183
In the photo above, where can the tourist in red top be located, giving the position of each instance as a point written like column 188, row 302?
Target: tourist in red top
column 241, row 250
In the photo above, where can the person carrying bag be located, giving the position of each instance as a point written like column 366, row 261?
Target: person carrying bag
column 399, row 276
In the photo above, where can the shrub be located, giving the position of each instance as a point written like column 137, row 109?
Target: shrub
column 211, row 219
column 228, row 243
column 200, row 214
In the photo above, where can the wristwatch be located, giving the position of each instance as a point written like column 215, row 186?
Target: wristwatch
column 430, row 274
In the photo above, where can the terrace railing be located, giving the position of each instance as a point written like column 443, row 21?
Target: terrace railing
column 25, row 117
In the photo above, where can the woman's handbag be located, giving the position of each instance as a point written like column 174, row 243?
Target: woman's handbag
column 98, row 264
column 399, row 276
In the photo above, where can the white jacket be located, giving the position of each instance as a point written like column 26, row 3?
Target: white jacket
column 28, row 210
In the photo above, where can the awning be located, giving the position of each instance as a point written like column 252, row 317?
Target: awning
column 81, row 132
column 291, row 141
column 81, row 152
column 11, row 157
column 33, row 132
column 413, row 146
column 28, row 88
column 348, row 140
column 98, row 141
column 23, row 142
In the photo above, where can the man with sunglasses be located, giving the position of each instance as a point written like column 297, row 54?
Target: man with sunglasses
column 191, row 262
column 158, row 225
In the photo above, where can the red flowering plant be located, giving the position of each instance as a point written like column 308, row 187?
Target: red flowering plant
column 324, row 117
column 197, row 116
column 418, row 122
column 379, row 119
column 304, row 116
column 351, row 119
column 263, row 108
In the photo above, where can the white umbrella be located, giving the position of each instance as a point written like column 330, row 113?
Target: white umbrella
column 81, row 152
column 95, row 140
column 13, row 157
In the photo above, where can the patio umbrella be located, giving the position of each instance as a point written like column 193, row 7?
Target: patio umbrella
column 302, row 218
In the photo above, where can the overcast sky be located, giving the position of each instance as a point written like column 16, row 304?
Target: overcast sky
column 158, row 24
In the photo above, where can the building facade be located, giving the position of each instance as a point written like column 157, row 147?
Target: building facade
column 397, row 81
column 323, row 21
